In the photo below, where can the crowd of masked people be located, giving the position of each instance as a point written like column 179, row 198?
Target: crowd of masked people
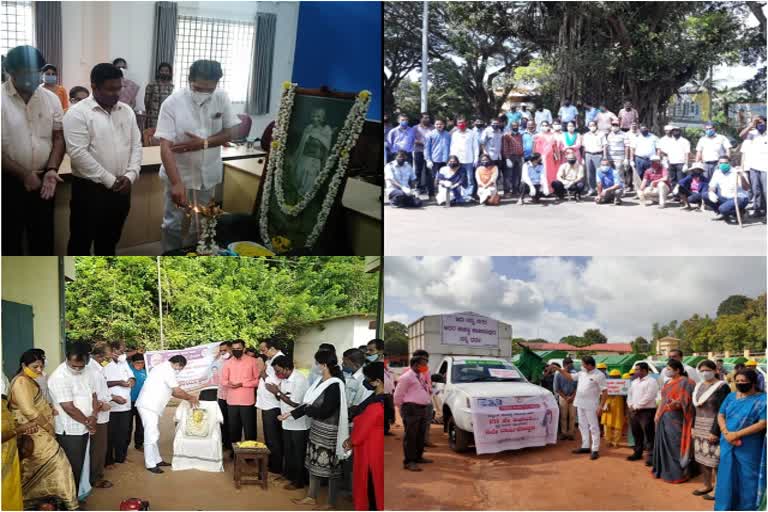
column 64, row 431
column 579, row 153
column 682, row 422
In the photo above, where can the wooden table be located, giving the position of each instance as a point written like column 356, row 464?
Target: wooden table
column 243, row 476
column 242, row 179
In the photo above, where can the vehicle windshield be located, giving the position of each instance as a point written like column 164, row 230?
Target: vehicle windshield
column 485, row 370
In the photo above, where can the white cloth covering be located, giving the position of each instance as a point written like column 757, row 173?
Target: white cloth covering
column 201, row 453
column 314, row 392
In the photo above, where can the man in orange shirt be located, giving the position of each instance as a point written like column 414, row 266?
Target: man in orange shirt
column 240, row 376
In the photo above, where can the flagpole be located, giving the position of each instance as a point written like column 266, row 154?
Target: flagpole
column 424, row 56
column 160, row 303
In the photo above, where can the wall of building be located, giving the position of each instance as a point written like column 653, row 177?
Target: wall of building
column 342, row 333
column 35, row 281
column 97, row 32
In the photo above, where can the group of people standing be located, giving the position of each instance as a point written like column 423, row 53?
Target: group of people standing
column 521, row 154
column 683, row 422
column 101, row 135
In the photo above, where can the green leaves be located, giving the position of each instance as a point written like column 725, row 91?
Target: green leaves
column 208, row 299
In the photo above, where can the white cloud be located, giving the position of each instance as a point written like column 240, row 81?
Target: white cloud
column 620, row 296
column 398, row 317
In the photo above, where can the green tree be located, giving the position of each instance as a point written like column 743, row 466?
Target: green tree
column 395, row 335
column 733, row 305
column 576, row 341
column 594, row 336
column 640, row 345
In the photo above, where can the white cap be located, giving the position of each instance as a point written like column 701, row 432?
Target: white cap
column 669, row 127
column 655, row 158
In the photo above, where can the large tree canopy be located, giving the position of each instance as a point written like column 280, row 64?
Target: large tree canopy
column 207, row 299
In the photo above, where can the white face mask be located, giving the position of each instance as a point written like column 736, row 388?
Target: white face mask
column 122, row 358
column 226, row 355
column 707, row 374
column 75, row 371
column 593, row 128
column 200, row 97
column 669, row 373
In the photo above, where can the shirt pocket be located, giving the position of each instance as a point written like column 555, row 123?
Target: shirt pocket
column 42, row 126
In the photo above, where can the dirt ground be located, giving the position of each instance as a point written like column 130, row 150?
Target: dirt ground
column 546, row 478
column 191, row 489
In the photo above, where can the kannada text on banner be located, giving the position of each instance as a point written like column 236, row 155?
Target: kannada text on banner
column 514, row 422
column 199, row 371
column 470, row 330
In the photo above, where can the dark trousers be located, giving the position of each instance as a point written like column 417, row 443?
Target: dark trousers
column 242, row 418
column 136, row 429
column 418, row 165
column 273, row 438
column 560, row 189
column 98, row 452
column 96, row 218
column 525, row 189
column 641, row 164
column 709, row 168
column 75, row 449
column 427, row 183
column 389, row 412
column 25, row 212
column 295, row 448
column 675, row 172
column 725, row 207
column 400, row 198
column 415, row 421
column 225, row 442
column 643, row 430
column 513, row 174
column 118, row 436
column 757, row 181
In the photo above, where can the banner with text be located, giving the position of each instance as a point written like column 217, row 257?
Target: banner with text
column 470, row 330
column 514, row 422
column 199, row 373
column 617, row 386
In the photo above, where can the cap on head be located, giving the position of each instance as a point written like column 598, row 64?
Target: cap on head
column 751, row 362
column 655, row 158
column 614, row 373
column 602, row 366
column 632, row 371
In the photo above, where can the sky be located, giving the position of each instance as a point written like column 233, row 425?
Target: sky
column 552, row 297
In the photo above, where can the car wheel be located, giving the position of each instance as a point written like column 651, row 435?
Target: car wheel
column 458, row 439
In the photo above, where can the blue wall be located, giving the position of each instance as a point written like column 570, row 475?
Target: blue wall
column 338, row 44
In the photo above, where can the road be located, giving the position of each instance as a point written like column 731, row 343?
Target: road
column 191, row 489
column 566, row 229
column 546, row 478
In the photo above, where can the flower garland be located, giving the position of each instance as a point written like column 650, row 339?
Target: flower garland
column 346, row 140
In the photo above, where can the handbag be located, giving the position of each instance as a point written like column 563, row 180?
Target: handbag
column 197, row 424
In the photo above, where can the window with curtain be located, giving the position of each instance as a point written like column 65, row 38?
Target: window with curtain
column 17, row 25
column 226, row 41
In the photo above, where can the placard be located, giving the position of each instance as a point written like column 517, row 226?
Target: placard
column 617, row 386
column 199, row 371
column 471, row 330
column 511, row 423
column 504, row 373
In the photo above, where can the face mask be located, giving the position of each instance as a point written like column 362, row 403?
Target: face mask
column 367, row 385
column 710, row 132
column 604, row 168
column 346, row 369
column 514, row 130
column 676, row 135
column 546, row 128
column 237, row 353
column 707, row 374
column 602, row 109
column 479, row 126
column 75, row 371
column 644, row 132
column 122, row 358
column 29, row 372
column 571, row 161
column 495, row 127
column 452, row 165
column 725, row 167
column 374, row 357
column 571, row 129
column 462, row 126
column 26, row 82
column 200, row 97
column 567, row 103
column 485, row 163
column 615, row 129
column 557, row 127
column 164, row 77
column 593, row 128
column 49, row 79
column 105, row 101
column 400, row 162
column 176, row 371
column 669, row 373
column 761, row 128
column 226, row 355
column 423, row 369
column 404, row 124
column 105, row 362
column 744, row 387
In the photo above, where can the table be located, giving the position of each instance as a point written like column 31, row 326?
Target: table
column 242, row 179
column 243, row 476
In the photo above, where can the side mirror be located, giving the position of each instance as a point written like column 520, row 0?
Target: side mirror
column 438, row 378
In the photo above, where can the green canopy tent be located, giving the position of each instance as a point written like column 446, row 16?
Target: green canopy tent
column 623, row 363
column 693, row 361
column 530, row 364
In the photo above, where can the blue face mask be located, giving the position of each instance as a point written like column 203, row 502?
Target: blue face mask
column 404, row 124
column 726, row 168
column 710, row 132
column 372, row 357
column 761, row 128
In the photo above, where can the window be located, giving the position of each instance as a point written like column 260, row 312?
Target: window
column 226, row 41
column 17, row 26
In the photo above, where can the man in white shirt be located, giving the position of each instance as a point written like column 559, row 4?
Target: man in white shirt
column 290, row 392
column 466, row 146
column 676, row 149
column 192, row 126
column 270, row 406
column 754, row 151
column 594, row 143
column 160, row 386
column 120, row 380
column 104, row 146
column 591, row 393
column 33, row 146
column 710, row 148
column 101, row 354
column 352, row 363
column 400, row 182
column 542, row 114
column 727, row 187
column 642, row 148
column 76, row 405
column 641, row 400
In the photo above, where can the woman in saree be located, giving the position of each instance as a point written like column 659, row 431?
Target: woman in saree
column 486, row 176
column 449, row 182
column 547, row 144
column 12, row 498
column 708, row 396
column 613, row 418
column 672, row 449
column 45, row 472
column 741, row 473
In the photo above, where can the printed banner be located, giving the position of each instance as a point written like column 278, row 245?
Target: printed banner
column 469, row 330
column 617, row 386
column 514, row 422
column 199, row 373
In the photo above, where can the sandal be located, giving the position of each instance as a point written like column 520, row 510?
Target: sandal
column 702, row 493
column 708, row 497
column 305, row 501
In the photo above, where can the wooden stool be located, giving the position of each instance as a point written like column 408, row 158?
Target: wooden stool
column 245, row 476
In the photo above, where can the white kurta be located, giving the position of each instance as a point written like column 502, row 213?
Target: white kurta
column 201, row 453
